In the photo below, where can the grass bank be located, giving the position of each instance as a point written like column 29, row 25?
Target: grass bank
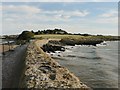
column 64, row 36
column 56, row 36
column 77, row 39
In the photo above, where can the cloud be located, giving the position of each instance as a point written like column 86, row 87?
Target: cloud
column 60, row 0
column 21, row 9
column 30, row 9
column 28, row 14
column 105, row 0
column 0, row 7
column 9, row 19
column 110, row 21
column 112, row 13
column 109, row 17
column 44, row 0
column 67, row 14
column 22, row 17
column 80, row 13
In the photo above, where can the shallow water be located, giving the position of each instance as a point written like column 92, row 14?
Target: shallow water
column 4, row 41
column 95, row 66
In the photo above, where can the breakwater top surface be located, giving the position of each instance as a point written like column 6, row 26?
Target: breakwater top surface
column 41, row 71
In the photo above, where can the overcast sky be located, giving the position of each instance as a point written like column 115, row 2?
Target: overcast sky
column 75, row 17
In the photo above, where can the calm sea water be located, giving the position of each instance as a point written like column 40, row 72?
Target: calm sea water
column 95, row 66
column 5, row 41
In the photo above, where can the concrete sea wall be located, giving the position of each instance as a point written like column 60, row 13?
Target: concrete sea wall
column 41, row 71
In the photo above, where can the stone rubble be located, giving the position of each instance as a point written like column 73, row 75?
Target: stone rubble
column 42, row 71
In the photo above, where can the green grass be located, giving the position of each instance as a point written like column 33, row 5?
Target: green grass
column 78, row 37
column 58, row 36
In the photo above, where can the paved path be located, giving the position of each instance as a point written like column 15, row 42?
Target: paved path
column 41, row 42
column 13, row 63
column 12, row 66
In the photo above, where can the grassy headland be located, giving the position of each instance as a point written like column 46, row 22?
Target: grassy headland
column 66, row 38
column 56, row 36
column 77, row 39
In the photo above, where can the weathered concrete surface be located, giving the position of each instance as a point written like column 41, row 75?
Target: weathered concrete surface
column 42, row 71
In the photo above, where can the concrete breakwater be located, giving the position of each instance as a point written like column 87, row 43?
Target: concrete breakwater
column 41, row 71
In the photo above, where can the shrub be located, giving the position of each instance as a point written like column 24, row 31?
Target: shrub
column 25, row 35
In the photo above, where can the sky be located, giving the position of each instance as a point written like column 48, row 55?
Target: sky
column 74, row 17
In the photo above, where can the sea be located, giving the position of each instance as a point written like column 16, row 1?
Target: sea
column 4, row 41
column 97, row 67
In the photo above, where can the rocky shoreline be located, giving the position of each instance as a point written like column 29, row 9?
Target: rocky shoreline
column 52, row 48
column 43, row 72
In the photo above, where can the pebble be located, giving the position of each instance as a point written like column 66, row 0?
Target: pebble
column 44, row 72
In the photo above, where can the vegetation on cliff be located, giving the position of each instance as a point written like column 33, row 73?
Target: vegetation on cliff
column 25, row 35
column 49, row 31
column 66, row 38
column 68, row 41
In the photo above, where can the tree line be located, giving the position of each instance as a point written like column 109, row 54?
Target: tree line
column 49, row 31
column 27, row 35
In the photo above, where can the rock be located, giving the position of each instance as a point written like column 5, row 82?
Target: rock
column 43, row 72
column 46, row 69
column 67, row 76
column 52, row 76
column 52, row 48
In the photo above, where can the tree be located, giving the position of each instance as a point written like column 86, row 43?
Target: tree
column 49, row 31
column 32, row 31
column 25, row 35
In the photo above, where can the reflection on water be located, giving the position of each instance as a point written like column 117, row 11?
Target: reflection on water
column 95, row 66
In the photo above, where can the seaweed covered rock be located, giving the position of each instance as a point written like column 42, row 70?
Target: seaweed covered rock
column 84, row 41
column 52, row 48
